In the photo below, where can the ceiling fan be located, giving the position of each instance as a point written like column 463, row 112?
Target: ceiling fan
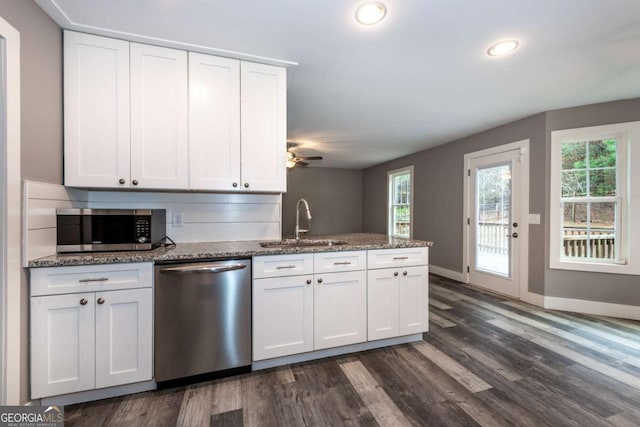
column 294, row 160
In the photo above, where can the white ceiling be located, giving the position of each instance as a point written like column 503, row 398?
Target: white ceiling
column 363, row 95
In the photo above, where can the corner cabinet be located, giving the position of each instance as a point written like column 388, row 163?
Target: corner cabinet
column 147, row 117
column 237, row 123
column 91, row 327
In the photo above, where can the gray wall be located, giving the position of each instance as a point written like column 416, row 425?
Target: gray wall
column 438, row 194
column 41, row 89
column 41, row 120
column 439, row 197
column 334, row 195
column 613, row 288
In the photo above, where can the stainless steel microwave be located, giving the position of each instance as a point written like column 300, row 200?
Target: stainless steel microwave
column 94, row 230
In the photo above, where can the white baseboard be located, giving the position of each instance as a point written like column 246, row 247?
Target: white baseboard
column 449, row 274
column 531, row 298
column 593, row 307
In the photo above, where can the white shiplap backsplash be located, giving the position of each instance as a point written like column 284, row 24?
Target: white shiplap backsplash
column 39, row 226
column 207, row 217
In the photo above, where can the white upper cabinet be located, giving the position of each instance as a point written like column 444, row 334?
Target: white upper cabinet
column 148, row 117
column 263, row 127
column 214, row 122
column 96, row 111
column 159, row 135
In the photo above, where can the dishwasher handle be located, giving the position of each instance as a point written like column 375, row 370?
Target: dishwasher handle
column 202, row 268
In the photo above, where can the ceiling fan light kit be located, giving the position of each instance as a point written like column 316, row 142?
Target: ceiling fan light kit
column 293, row 160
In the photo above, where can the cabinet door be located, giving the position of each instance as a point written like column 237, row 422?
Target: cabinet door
column 214, row 122
column 123, row 337
column 282, row 316
column 62, row 344
column 340, row 309
column 382, row 304
column 96, row 111
column 413, row 299
column 263, row 127
column 159, row 145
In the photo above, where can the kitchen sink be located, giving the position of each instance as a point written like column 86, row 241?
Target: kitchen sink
column 302, row 243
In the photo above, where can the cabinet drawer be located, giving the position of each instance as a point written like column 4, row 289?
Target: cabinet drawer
column 329, row 262
column 90, row 278
column 387, row 258
column 282, row 265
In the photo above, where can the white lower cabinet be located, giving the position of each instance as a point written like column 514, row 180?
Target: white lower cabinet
column 339, row 299
column 124, row 345
column 282, row 316
column 340, row 309
column 398, row 302
column 83, row 341
column 62, row 344
column 300, row 313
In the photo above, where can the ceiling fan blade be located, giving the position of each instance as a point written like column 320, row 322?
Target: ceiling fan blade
column 303, row 164
column 310, row 158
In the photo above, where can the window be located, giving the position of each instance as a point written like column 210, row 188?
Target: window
column 400, row 201
column 591, row 215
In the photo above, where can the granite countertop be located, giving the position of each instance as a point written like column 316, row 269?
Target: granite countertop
column 209, row 250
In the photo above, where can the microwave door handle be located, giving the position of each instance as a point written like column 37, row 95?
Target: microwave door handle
column 204, row 268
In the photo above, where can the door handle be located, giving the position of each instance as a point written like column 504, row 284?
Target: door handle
column 204, row 268
column 514, row 235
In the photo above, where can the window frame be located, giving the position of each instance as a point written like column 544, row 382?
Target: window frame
column 390, row 193
column 626, row 134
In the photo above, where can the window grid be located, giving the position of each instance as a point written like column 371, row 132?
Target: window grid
column 588, row 200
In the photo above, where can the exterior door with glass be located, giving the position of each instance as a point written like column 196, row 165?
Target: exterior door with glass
column 495, row 222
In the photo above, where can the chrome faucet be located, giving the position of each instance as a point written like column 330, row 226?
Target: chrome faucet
column 299, row 230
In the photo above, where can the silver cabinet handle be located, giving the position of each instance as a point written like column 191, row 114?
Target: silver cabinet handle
column 98, row 279
column 395, row 274
column 246, row 185
column 83, row 301
column 284, row 267
column 308, row 281
column 342, row 263
column 202, row 268
column 134, row 182
column 100, row 301
column 121, row 181
column 235, row 184
column 395, row 258
column 320, row 280
column 404, row 273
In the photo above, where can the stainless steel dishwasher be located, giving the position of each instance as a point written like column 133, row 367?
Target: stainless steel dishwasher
column 202, row 318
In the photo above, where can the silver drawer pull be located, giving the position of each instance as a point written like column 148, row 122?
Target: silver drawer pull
column 283, row 267
column 342, row 263
column 99, row 279
column 395, row 258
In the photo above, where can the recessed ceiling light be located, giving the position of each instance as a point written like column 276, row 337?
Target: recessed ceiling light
column 503, row 47
column 371, row 12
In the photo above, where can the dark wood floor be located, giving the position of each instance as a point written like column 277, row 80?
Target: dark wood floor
column 486, row 361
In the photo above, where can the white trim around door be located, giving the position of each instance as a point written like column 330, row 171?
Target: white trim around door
column 10, row 217
column 523, row 229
